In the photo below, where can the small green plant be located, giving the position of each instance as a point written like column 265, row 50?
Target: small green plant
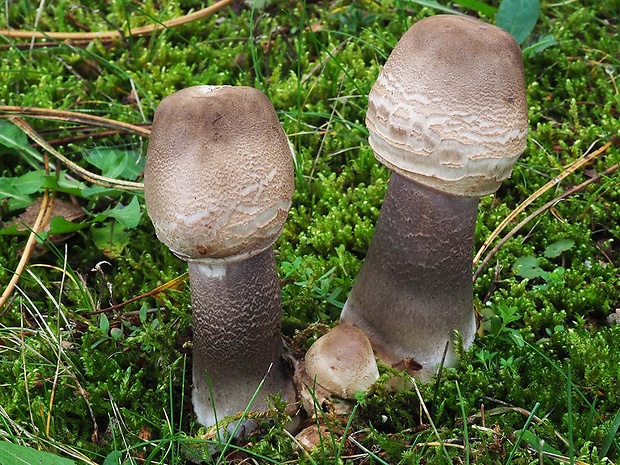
column 321, row 288
column 529, row 267
column 109, row 227
column 497, row 319
column 353, row 19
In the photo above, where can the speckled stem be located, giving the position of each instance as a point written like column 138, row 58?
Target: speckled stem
column 415, row 286
column 237, row 341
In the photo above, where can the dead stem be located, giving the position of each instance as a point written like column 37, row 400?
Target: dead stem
column 138, row 31
column 574, row 166
column 175, row 283
column 40, row 223
column 83, row 173
column 542, row 209
column 75, row 117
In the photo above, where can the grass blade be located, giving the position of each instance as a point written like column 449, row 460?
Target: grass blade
column 481, row 7
column 522, row 433
column 611, row 435
column 465, row 433
column 569, row 409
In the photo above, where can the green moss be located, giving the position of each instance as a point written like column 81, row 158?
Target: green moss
column 317, row 63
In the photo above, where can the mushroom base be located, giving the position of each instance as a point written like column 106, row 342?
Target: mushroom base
column 237, row 341
column 415, row 286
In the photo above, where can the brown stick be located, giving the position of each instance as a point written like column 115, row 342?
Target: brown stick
column 545, row 207
column 82, row 172
column 42, row 219
column 75, row 117
column 574, row 166
column 173, row 284
column 117, row 34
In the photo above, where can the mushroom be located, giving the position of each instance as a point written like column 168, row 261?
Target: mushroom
column 342, row 362
column 337, row 366
column 218, row 184
column 448, row 116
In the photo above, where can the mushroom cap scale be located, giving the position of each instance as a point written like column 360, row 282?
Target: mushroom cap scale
column 219, row 188
column 448, row 109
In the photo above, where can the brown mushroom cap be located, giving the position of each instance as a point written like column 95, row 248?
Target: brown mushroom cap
column 219, row 187
column 342, row 361
column 448, row 109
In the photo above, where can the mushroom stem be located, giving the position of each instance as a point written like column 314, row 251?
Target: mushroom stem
column 237, row 317
column 415, row 286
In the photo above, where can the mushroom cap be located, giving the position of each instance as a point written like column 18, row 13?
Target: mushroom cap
column 449, row 108
column 218, row 181
column 342, row 361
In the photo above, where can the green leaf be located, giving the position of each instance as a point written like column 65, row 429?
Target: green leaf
column 518, row 17
column 496, row 325
column 104, row 323
column 536, row 442
column 527, row 267
column 537, row 47
column 114, row 458
column 116, row 333
column 478, row 6
column 14, row 454
column 116, row 164
column 556, row 249
column 516, row 336
column 15, row 139
column 128, row 216
column 611, row 434
column 63, row 184
column 100, row 191
column 143, row 313
column 30, row 182
column 435, row 5
column 58, row 225
column 13, row 230
column 111, row 238
column 17, row 200
column 475, row 5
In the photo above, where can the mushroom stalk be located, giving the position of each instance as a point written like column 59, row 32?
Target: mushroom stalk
column 414, row 278
column 240, row 347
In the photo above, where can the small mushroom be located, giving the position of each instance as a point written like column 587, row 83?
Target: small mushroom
column 342, row 362
column 448, row 116
column 337, row 366
column 218, row 185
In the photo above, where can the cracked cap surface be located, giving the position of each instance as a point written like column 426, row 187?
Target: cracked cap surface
column 449, row 108
column 218, row 180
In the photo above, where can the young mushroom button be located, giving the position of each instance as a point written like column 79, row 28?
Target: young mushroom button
column 342, row 362
column 218, row 186
column 448, row 116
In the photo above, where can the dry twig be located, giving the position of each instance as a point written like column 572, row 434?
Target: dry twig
column 42, row 219
column 173, row 284
column 555, row 181
column 138, row 31
column 542, row 209
column 75, row 117
column 82, row 172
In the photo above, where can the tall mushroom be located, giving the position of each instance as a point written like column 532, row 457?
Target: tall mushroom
column 218, row 185
column 448, row 116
